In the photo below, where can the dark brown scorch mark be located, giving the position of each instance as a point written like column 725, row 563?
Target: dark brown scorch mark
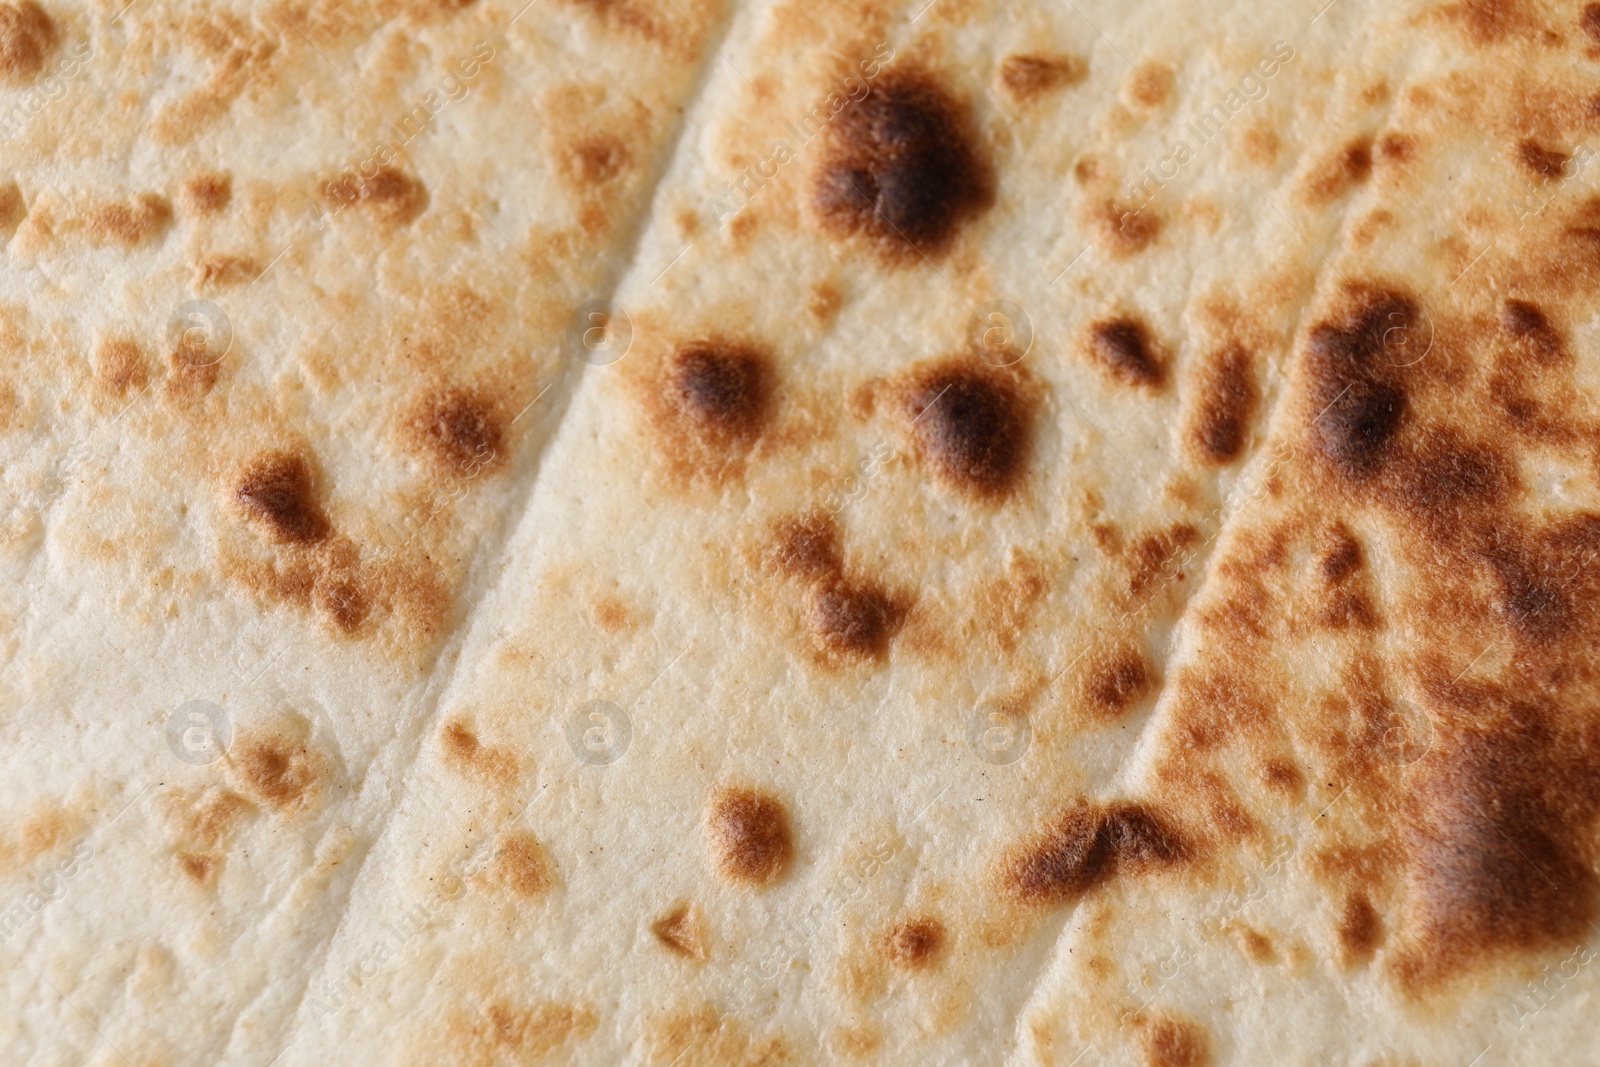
column 724, row 389
column 1170, row 1042
column 27, row 37
column 394, row 196
column 1493, row 864
column 390, row 195
column 521, row 864
column 1359, row 928
column 277, row 491
column 1548, row 582
column 1227, row 401
column 119, row 364
column 1028, row 76
column 197, row 866
column 1345, row 168
column 1530, row 328
column 208, row 192
column 1086, row 847
column 1341, row 554
column 343, row 602
column 679, row 929
column 1351, row 364
column 277, row 767
column 748, row 833
column 1542, row 162
column 1124, row 347
column 849, row 616
column 805, row 547
column 1113, row 685
column 461, row 430
column 1447, row 476
column 915, row 943
column 971, row 426
column 852, row 617
column 902, row 168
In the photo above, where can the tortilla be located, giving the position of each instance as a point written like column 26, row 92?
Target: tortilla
column 285, row 330
column 885, row 533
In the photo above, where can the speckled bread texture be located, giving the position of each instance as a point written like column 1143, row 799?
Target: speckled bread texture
column 1087, row 554
column 282, row 500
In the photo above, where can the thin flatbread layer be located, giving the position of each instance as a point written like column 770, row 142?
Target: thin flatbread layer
column 284, row 330
column 796, row 718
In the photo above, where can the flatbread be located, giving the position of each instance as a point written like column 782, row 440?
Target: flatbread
column 281, row 352
column 818, row 611
column 878, row 532
column 1388, row 677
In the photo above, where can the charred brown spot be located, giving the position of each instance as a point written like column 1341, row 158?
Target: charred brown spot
column 1397, row 147
column 1115, row 684
column 903, row 168
column 193, row 366
column 724, row 389
column 1346, row 167
column 535, row 1030
column 806, row 547
column 915, row 942
column 1124, row 228
column 1170, row 1042
column 209, row 819
column 1029, row 76
column 206, row 194
column 1341, row 555
column 596, row 160
column 748, row 832
column 1546, row 164
column 1543, row 581
column 1490, row 21
column 1228, row 400
column 276, row 767
column 679, row 929
column 1124, row 347
column 971, row 426
column 1492, row 865
column 27, row 37
column 1256, row 946
column 1283, row 775
column 1086, row 847
column 462, row 430
column 120, row 365
column 392, row 195
column 1527, row 325
column 1150, row 85
column 13, row 208
column 851, row 618
column 521, row 865
column 130, row 222
column 277, row 490
column 1139, row 839
column 1351, row 364
column 1160, row 557
column 1347, row 608
column 1589, row 22
column 342, row 602
column 1447, row 476
column 197, row 866
column 463, row 750
column 1064, row 863
column 1359, row 928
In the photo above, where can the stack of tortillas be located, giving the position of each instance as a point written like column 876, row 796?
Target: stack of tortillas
column 680, row 532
